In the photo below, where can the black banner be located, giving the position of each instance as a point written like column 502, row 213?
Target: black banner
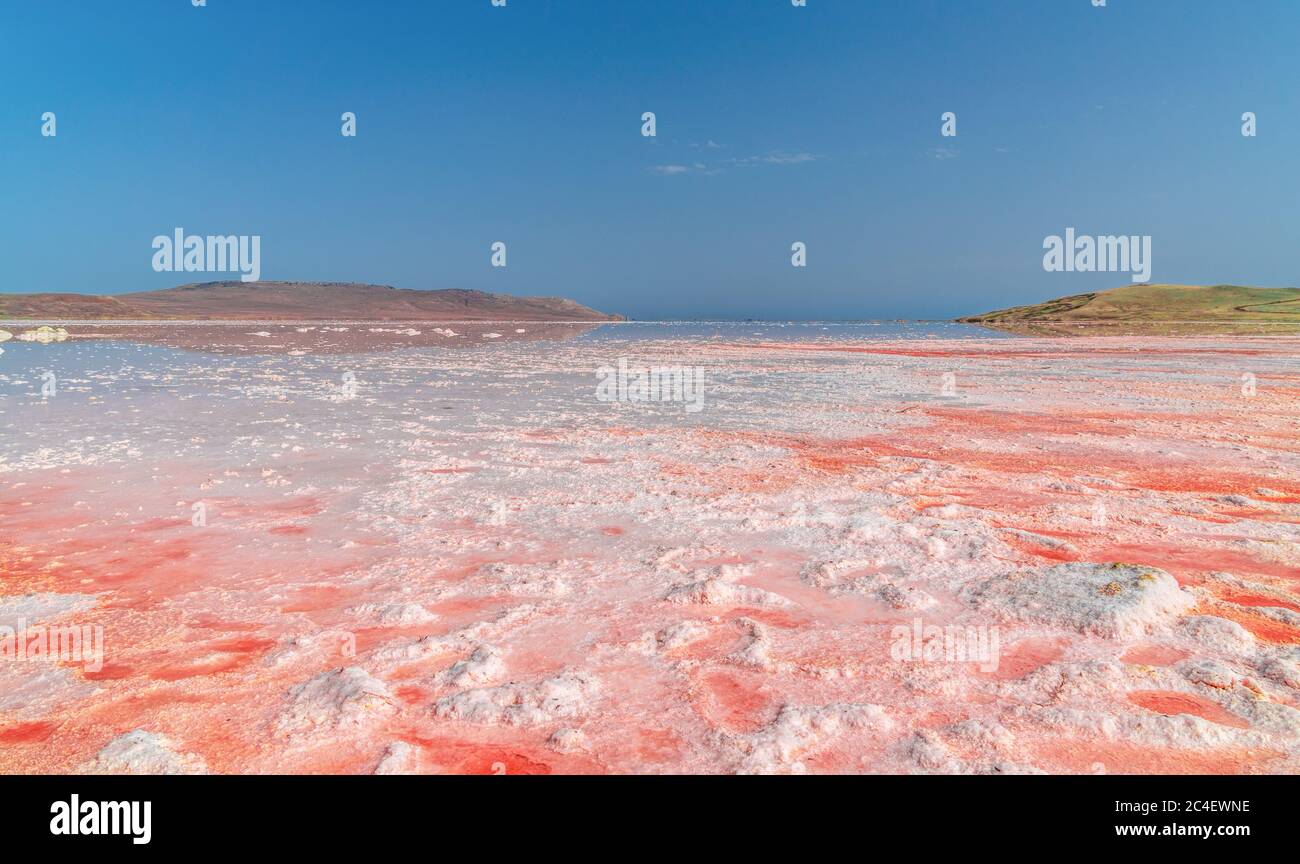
column 333, row 814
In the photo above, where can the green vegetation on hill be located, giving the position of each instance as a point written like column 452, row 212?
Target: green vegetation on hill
column 1156, row 309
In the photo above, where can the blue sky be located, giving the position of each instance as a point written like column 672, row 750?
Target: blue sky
column 817, row 124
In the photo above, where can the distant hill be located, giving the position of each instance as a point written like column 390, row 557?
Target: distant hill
column 296, row 301
column 1156, row 309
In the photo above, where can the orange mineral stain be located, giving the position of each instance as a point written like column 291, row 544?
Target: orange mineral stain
column 1171, row 703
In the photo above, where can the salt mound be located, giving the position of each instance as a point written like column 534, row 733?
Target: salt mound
column 1113, row 600
column 542, row 580
column 561, row 697
column 680, row 634
column 396, row 614
column 928, row 751
column 44, row 335
column 1209, row 673
column 718, row 591
column 798, row 729
column 1219, row 634
column 906, row 598
column 757, row 651
column 141, row 752
column 484, row 666
column 399, row 758
column 568, row 740
column 343, row 698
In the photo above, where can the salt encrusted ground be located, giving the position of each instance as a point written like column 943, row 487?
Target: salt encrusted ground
column 475, row 566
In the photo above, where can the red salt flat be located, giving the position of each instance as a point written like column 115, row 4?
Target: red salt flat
column 27, row 733
column 190, row 613
column 1180, row 559
column 1170, row 703
column 1245, row 598
column 734, row 702
column 1113, row 757
column 1018, row 660
column 1261, row 626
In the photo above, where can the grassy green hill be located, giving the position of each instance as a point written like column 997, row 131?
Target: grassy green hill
column 1156, row 309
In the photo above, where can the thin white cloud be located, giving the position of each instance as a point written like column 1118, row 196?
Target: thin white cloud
column 775, row 157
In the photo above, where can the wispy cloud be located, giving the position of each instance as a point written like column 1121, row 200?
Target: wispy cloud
column 774, row 157
column 669, row 170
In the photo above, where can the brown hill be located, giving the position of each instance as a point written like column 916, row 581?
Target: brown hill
column 296, row 301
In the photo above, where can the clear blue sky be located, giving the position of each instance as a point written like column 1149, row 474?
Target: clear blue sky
column 819, row 124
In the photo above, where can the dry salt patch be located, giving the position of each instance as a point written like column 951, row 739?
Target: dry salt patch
column 1111, row 600
column 340, row 699
column 798, row 730
column 1042, row 542
column 37, row 689
column 862, row 576
column 395, row 614
column 34, row 608
column 563, row 697
column 143, row 752
column 1283, row 671
column 317, row 646
column 466, row 638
